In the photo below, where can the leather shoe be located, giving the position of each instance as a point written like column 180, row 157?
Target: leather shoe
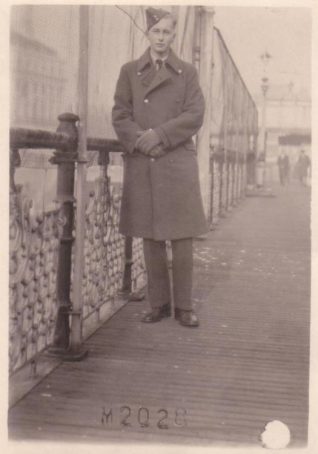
column 186, row 318
column 157, row 314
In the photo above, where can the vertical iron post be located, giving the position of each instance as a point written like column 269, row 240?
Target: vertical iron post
column 127, row 279
column 76, row 352
column 235, row 163
column 65, row 159
column 212, row 182
column 205, row 64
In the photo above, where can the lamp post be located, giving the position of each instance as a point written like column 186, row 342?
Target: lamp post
column 265, row 57
column 264, row 87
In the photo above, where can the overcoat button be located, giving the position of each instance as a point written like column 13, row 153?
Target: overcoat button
column 152, row 159
column 146, row 101
column 180, row 71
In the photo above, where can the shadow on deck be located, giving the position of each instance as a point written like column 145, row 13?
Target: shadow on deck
column 247, row 363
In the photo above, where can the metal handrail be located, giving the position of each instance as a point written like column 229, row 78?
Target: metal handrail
column 43, row 139
column 38, row 138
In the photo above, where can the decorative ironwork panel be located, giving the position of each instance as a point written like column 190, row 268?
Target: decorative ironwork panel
column 34, row 240
column 103, row 246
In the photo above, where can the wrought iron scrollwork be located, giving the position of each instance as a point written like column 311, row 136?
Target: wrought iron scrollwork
column 33, row 242
column 103, row 246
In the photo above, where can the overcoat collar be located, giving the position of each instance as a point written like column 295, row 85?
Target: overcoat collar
column 173, row 61
column 152, row 79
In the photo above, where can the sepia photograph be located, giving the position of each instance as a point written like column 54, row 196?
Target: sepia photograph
column 160, row 180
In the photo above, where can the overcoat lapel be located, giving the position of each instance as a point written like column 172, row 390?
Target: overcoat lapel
column 160, row 77
column 148, row 75
column 151, row 78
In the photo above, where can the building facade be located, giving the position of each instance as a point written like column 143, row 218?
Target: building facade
column 37, row 83
column 37, row 74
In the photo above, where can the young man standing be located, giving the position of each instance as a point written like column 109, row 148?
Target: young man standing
column 158, row 107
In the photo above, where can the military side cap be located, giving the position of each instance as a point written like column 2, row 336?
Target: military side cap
column 154, row 15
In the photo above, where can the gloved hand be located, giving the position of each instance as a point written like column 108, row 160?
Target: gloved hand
column 147, row 140
column 157, row 152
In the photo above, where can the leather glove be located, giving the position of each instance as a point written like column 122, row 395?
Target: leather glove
column 157, row 152
column 147, row 140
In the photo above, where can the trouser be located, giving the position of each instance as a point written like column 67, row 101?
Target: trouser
column 158, row 275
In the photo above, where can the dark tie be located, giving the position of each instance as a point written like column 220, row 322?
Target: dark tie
column 159, row 64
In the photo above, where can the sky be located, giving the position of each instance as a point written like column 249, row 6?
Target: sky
column 285, row 33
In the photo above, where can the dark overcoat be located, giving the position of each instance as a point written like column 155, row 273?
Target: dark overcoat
column 161, row 196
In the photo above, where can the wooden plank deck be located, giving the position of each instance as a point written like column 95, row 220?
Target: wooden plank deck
column 246, row 365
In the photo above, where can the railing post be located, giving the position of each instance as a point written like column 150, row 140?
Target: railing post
column 65, row 159
column 212, row 183
column 235, row 178
column 127, row 280
column 227, row 179
column 15, row 161
column 76, row 352
column 221, row 172
column 205, row 77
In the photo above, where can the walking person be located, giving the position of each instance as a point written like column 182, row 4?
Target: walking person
column 158, row 107
column 303, row 166
column 283, row 168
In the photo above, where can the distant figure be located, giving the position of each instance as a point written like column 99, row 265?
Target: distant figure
column 283, row 168
column 303, row 166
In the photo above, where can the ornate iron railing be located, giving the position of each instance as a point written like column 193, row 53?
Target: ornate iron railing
column 41, row 245
column 41, row 248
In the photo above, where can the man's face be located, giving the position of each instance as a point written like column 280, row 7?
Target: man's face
column 161, row 36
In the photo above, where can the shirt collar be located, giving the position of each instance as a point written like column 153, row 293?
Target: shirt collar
column 172, row 60
column 154, row 59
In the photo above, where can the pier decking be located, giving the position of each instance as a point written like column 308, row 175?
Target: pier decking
column 247, row 363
